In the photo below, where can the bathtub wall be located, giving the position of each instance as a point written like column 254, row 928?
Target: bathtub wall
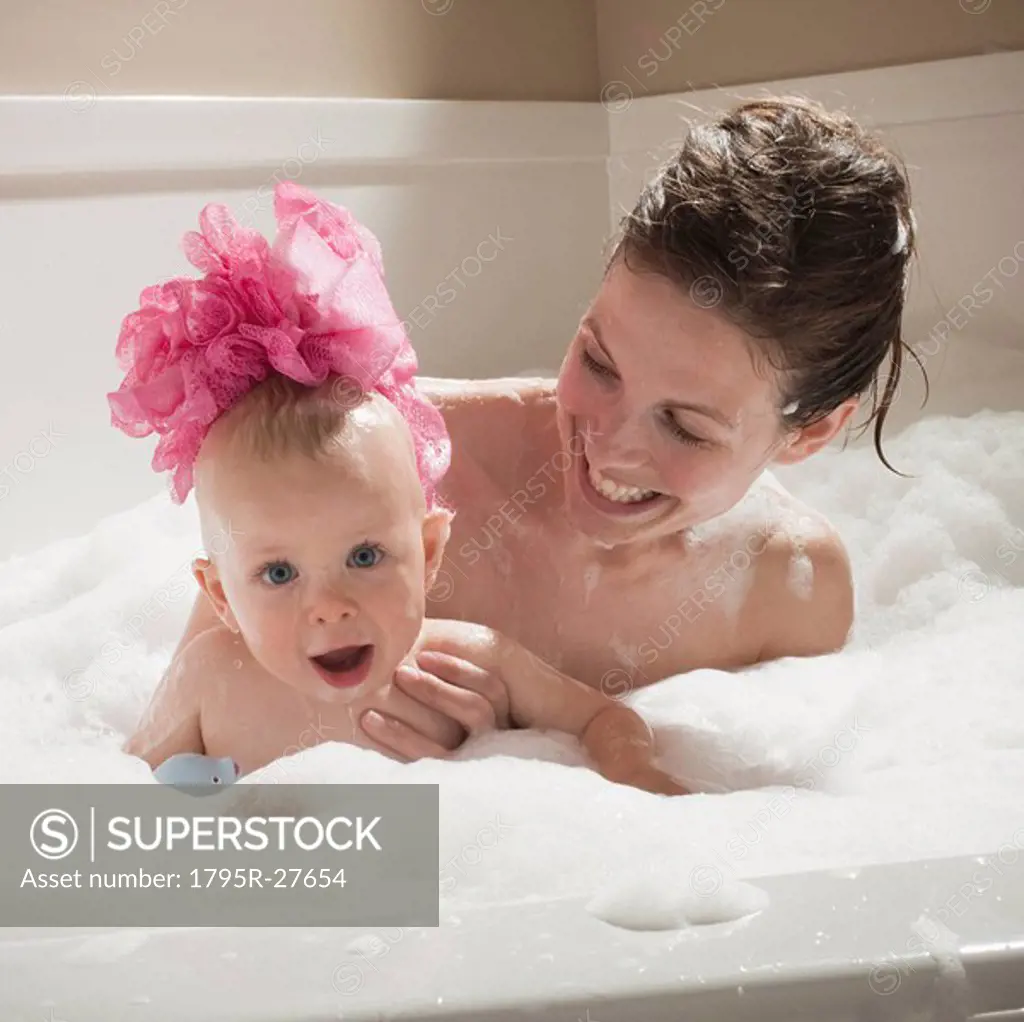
column 664, row 46
column 492, row 219
column 391, row 49
column 475, row 49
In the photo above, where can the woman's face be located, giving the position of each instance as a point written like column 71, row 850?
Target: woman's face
column 664, row 401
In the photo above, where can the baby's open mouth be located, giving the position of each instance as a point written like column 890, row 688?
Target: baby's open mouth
column 345, row 666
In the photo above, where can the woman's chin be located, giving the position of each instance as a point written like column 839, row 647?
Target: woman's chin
column 607, row 533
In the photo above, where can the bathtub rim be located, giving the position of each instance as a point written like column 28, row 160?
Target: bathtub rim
column 784, row 971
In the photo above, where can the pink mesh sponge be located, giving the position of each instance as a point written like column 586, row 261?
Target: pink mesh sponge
column 311, row 306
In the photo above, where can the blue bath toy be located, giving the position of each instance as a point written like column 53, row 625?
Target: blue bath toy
column 202, row 774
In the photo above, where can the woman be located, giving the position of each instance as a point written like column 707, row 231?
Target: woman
column 619, row 522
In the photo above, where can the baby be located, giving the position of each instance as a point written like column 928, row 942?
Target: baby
column 315, row 464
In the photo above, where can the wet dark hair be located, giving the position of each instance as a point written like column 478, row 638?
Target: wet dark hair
column 794, row 222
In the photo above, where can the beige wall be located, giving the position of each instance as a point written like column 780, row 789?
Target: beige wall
column 474, row 49
column 419, row 49
column 663, row 46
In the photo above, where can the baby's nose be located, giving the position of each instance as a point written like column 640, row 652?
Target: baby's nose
column 331, row 605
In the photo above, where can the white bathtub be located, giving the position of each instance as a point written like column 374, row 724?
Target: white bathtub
column 844, row 944
column 884, row 942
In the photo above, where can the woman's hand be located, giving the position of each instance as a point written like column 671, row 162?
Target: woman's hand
column 455, row 690
column 621, row 744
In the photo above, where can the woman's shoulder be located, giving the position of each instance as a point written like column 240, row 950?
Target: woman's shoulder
column 771, row 516
column 459, row 396
column 802, row 598
column 491, row 420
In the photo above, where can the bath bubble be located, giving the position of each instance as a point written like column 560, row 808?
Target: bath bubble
column 935, row 766
column 638, row 903
column 733, row 900
column 801, row 573
column 648, row 900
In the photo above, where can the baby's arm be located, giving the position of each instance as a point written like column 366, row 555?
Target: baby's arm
column 171, row 723
column 617, row 738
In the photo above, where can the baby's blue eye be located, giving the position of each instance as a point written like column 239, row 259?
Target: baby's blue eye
column 365, row 556
column 279, row 573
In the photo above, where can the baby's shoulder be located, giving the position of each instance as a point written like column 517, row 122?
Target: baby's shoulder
column 209, row 650
column 206, row 665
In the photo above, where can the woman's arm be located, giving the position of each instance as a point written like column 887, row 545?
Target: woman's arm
column 617, row 738
column 476, row 658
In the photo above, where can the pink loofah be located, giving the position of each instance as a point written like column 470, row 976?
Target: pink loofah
column 311, row 307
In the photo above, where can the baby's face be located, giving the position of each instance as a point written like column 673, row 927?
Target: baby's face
column 328, row 566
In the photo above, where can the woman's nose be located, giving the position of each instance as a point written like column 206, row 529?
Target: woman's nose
column 627, row 453
column 622, row 445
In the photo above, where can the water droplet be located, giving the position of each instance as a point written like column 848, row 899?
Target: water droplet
column 238, row 665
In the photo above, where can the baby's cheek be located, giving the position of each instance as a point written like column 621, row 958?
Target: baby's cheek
column 267, row 630
column 403, row 617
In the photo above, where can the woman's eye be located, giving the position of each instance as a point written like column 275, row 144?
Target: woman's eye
column 366, row 555
column 684, row 435
column 278, row 574
column 592, row 364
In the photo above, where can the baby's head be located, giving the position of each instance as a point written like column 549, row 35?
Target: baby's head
column 282, row 383
column 331, row 545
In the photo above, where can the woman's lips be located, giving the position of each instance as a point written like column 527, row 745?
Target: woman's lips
column 344, row 667
column 614, row 508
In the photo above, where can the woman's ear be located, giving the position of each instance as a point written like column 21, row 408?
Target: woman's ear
column 206, row 574
column 810, row 439
column 437, row 527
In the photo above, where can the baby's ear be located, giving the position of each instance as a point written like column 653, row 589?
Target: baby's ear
column 206, row 574
column 437, row 527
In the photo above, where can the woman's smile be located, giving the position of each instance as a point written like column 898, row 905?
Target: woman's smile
column 609, row 496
